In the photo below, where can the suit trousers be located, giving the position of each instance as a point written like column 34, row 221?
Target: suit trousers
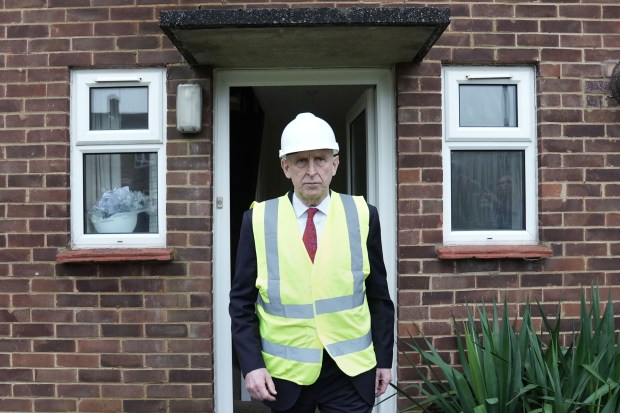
column 333, row 392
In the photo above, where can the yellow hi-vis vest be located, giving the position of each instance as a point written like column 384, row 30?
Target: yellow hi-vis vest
column 303, row 307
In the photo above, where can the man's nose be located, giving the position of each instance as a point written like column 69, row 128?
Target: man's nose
column 311, row 169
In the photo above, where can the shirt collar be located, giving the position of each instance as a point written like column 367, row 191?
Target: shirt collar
column 300, row 208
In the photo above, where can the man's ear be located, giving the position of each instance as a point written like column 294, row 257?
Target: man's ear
column 285, row 167
column 336, row 162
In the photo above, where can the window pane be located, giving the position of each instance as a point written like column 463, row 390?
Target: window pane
column 120, row 193
column 488, row 105
column 117, row 108
column 488, row 190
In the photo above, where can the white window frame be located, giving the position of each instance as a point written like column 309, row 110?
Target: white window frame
column 84, row 141
column 522, row 137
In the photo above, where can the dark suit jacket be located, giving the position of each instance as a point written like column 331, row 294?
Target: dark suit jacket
column 245, row 332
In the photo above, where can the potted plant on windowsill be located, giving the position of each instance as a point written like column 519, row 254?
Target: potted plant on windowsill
column 117, row 210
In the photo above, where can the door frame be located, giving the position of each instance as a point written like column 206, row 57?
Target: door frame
column 384, row 159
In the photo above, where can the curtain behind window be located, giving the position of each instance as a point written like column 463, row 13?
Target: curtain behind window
column 487, row 190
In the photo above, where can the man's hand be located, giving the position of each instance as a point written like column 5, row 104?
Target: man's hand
column 383, row 378
column 260, row 385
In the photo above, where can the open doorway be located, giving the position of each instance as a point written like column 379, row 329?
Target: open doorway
column 257, row 117
column 251, row 108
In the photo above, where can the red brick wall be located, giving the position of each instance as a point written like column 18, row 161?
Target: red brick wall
column 137, row 337
column 574, row 46
column 123, row 337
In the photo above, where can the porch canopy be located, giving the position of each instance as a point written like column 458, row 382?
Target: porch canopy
column 304, row 37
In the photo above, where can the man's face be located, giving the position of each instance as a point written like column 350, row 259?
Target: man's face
column 311, row 173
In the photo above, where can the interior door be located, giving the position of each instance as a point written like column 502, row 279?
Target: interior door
column 360, row 121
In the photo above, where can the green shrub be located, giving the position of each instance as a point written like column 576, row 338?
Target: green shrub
column 505, row 370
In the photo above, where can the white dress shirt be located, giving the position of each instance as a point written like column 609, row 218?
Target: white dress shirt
column 319, row 217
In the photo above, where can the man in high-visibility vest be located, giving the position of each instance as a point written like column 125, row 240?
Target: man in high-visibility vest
column 312, row 318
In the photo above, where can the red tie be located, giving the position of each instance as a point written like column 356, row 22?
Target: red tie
column 310, row 234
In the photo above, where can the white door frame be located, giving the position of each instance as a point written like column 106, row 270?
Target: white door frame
column 385, row 190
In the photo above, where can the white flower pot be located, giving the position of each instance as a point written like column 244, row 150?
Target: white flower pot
column 121, row 223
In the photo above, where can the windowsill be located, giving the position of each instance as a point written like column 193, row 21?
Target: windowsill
column 114, row 255
column 461, row 252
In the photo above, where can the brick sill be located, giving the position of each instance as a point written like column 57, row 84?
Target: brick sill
column 114, row 255
column 461, row 252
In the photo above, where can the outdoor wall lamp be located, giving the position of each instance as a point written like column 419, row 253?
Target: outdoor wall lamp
column 189, row 108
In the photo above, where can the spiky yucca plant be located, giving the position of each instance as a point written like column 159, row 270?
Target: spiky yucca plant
column 503, row 370
column 583, row 376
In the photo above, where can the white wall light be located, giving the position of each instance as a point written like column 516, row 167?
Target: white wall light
column 189, row 108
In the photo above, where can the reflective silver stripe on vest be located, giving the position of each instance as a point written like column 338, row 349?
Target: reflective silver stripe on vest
column 288, row 310
column 349, row 346
column 348, row 302
column 333, row 305
column 325, row 306
column 275, row 306
column 304, row 355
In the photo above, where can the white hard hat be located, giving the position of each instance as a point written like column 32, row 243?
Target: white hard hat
column 305, row 133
